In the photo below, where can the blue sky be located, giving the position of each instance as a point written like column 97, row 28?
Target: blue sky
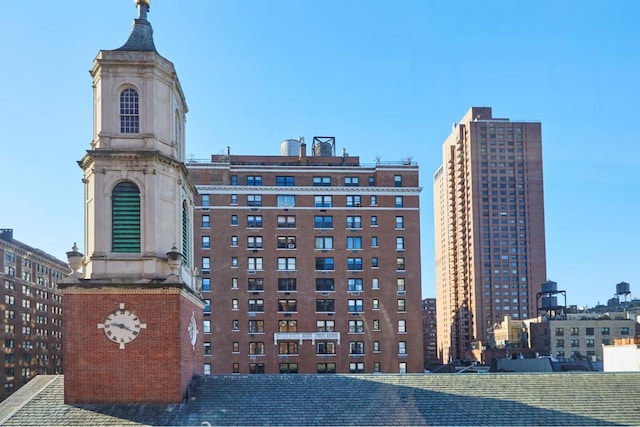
column 385, row 78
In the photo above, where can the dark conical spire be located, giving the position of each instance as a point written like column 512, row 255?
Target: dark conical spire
column 141, row 38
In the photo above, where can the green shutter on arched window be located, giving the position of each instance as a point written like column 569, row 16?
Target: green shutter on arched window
column 125, row 219
column 185, row 234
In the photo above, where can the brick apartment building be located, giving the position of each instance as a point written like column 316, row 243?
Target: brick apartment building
column 430, row 331
column 310, row 264
column 31, row 310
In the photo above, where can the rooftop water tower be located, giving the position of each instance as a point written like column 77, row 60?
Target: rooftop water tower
column 324, row 146
column 547, row 301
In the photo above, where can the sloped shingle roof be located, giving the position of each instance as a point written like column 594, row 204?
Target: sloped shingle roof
column 433, row 399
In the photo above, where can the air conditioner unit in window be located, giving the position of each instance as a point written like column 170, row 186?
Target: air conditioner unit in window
column 356, row 204
column 291, row 245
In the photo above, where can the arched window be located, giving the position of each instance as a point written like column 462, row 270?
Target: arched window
column 185, row 233
column 129, row 111
column 125, row 218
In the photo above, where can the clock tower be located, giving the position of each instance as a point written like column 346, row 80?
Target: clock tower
column 132, row 304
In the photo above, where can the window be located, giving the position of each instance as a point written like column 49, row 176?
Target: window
column 323, row 221
column 397, row 180
column 326, row 368
column 286, row 284
column 322, row 201
column 287, row 325
column 402, row 326
column 254, row 242
column 560, row 343
column 326, row 347
column 324, row 242
column 402, row 305
column 324, row 263
column 589, row 331
column 206, row 327
column 376, row 348
column 234, row 283
column 354, row 222
column 354, row 264
column 254, row 263
column 575, row 342
column 400, row 243
column 234, row 261
column 354, row 242
column 256, row 326
column 325, row 306
column 206, row 263
column 125, row 220
column 256, row 347
column 321, row 181
column 234, row 179
column 374, row 220
column 285, row 347
column 590, row 342
column 254, row 180
column 285, row 201
column 254, row 221
column 402, row 347
column 235, row 347
column 206, row 284
column 256, row 305
column 375, row 284
column 402, row 367
column 399, row 201
column 255, row 284
column 624, row 331
column 376, row 324
column 286, row 264
column 285, row 181
column 325, row 326
column 356, row 368
column 351, row 181
column 574, row 331
column 376, row 304
column 399, row 222
column 356, row 306
column 604, row 331
column 325, row 285
column 256, row 368
column 207, row 349
column 400, row 285
column 374, row 262
column 286, row 221
column 234, row 219
column 286, row 242
column 235, row 304
column 205, row 200
column 129, row 111
column 354, row 285
column 254, row 200
column 206, row 242
column 374, row 200
column 356, row 326
column 354, row 201
column 287, row 305
column 235, row 325
column 207, row 306
column 400, row 264
column 356, row 347
column 559, row 332
column 234, row 199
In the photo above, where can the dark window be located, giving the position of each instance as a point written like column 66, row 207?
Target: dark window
column 325, row 285
column 285, row 181
column 287, row 284
column 325, row 305
column 324, row 263
column 255, row 284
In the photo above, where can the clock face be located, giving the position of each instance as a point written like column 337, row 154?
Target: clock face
column 122, row 326
column 193, row 330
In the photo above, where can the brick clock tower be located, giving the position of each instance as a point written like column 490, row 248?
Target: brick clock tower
column 132, row 307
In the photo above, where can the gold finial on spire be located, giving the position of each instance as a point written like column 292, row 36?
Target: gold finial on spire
column 143, row 7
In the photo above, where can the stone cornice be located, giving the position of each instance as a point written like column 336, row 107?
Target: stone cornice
column 91, row 156
column 242, row 189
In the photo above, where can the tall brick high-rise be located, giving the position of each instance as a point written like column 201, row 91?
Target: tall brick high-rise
column 310, row 264
column 489, row 228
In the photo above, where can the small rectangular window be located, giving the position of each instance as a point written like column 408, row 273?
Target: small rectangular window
column 325, row 285
column 321, row 181
column 286, row 221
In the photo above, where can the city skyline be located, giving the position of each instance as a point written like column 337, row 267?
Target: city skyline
column 372, row 77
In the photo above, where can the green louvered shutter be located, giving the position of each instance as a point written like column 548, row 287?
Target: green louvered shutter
column 125, row 220
column 185, row 234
